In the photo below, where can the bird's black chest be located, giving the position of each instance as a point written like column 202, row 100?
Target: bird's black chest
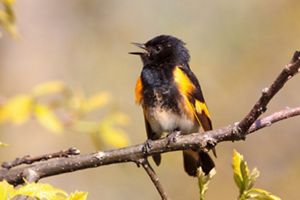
column 159, row 89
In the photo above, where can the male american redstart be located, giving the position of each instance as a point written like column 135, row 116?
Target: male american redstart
column 171, row 97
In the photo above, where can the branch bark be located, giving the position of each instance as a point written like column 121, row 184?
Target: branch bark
column 136, row 153
column 154, row 178
column 133, row 153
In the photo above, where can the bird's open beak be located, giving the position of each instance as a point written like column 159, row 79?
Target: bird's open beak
column 140, row 45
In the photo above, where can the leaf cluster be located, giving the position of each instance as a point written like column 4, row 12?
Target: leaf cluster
column 38, row 191
column 245, row 180
column 58, row 108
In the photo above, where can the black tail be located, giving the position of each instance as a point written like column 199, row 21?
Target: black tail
column 157, row 159
column 192, row 160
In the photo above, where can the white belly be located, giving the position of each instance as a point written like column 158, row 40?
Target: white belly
column 167, row 121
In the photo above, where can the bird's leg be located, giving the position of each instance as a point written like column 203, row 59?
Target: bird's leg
column 173, row 135
column 147, row 146
column 211, row 144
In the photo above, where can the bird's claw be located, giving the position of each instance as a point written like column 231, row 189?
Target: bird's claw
column 147, row 146
column 171, row 137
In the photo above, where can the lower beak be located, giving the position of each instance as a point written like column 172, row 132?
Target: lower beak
column 140, row 45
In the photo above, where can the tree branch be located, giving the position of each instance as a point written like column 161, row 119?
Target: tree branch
column 136, row 153
column 268, row 93
column 154, row 178
column 29, row 159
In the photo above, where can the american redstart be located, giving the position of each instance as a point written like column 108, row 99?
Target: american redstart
column 171, row 97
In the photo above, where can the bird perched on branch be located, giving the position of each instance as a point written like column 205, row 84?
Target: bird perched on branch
column 171, row 97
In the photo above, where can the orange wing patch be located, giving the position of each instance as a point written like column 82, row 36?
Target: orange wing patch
column 138, row 91
column 201, row 107
column 183, row 82
column 185, row 87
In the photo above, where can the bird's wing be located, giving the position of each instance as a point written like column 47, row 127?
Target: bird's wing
column 189, row 87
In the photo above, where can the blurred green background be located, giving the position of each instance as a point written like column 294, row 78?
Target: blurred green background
column 237, row 48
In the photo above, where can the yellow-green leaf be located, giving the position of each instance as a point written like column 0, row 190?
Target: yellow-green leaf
column 17, row 109
column 7, row 18
column 47, row 118
column 245, row 175
column 260, row 194
column 47, row 88
column 9, row 2
column 113, row 136
column 203, row 181
column 41, row 191
column 120, row 118
column 6, row 190
column 96, row 101
column 78, row 196
column 3, row 144
column 236, row 165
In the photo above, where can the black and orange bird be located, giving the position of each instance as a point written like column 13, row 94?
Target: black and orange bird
column 171, row 97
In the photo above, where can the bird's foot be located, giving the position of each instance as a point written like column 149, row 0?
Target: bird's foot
column 172, row 136
column 210, row 144
column 147, row 146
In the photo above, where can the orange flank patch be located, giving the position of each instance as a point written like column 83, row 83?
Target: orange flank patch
column 201, row 107
column 138, row 91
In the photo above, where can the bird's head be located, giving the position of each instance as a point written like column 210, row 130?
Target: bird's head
column 163, row 49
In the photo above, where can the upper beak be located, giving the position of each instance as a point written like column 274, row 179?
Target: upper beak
column 140, row 45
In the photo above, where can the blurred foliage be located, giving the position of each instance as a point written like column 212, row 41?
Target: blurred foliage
column 203, row 181
column 38, row 191
column 245, row 179
column 7, row 17
column 58, row 108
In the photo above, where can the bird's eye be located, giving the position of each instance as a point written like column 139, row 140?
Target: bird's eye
column 158, row 48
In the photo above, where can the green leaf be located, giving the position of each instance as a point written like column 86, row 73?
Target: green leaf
column 41, row 191
column 245, row 174
column 236, row 165
column 49, row 87
column 260, row 194
column 47, row 118
column 242, row 176
column 38, row 191
column 253, row 176
column 6, row 190
column 203, row 181
column 245, row 180
column 17, row 109
column 78, row 196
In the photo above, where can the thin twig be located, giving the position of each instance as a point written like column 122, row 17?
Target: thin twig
column 154, row 178
column 267, row 94
column 29, row 160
